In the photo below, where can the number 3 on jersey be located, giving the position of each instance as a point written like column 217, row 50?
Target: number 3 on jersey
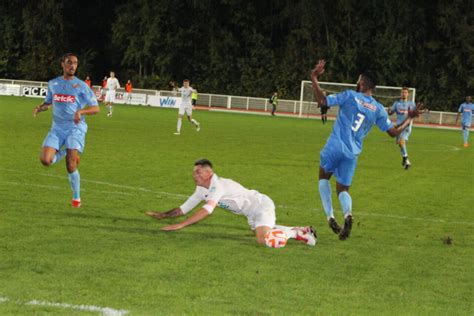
column 358, row 122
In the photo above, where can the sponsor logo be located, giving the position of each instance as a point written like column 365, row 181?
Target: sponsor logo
column 64, row 98
column 167, row 101
column 366, row 105
column 34, row 91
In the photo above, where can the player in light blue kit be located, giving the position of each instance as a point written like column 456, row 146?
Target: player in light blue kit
column 401, row 108
column 466, row 109
column 71, row 99
column 358, row 112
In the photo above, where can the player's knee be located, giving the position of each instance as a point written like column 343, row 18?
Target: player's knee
column 71, row 164
column 45, row 161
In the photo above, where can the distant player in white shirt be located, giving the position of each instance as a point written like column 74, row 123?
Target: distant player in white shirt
column 186, row 106
column 230, row 195
column 112, row 85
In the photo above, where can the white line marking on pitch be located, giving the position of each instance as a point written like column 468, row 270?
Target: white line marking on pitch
column 281, row 206
column 105, row 311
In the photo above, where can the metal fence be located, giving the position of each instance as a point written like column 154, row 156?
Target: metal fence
column 252, row 104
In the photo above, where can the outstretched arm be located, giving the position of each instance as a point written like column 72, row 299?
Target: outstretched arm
column 317, row 71
column 175, row 212
column 397, row 130
column 41, row 108
column 196, row 217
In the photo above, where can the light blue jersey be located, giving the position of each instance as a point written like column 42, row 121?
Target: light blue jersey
column 67, row 97
column 401, row 108
column 466, row 109
column 357, row 114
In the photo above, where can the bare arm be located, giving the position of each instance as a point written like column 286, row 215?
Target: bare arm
column 457, row 118
column 318, row 93
column 41, row 108
column 175, row 212
column 196, row 217
column 89, row 110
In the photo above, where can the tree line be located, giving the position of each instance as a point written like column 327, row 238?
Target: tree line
column 247, row 47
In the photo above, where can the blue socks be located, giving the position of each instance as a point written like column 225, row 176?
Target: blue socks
column 75, row 180
column 346, row 203
column 344, row 198
column 325, row 193
column 466, row 135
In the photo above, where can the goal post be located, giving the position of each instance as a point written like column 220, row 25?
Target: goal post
column 383, row 94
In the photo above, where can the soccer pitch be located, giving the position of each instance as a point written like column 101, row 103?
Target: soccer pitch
column 411, row 249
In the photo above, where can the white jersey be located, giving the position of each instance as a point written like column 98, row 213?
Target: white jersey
column 186, row 94
column 229, row 195
column 112, row 84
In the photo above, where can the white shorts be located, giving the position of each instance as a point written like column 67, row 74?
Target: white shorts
column 188, row 109
column 110, row 96
column 265, row 215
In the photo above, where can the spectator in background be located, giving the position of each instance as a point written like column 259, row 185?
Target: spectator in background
column 128, row 92
column 104, row 84
column 274, row 102
column 466, row 109
column 88, row 82
column 194, row 97
column 324, row 111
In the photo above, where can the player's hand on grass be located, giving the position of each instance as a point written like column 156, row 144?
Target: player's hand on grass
column 172, row 227
column 318, row 68
column 157, row 215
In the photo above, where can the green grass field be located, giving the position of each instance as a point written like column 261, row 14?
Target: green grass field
column 108, row 254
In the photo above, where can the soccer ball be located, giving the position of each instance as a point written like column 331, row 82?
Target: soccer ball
column 275, row 238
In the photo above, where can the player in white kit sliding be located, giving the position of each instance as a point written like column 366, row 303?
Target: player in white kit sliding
column 230, row 195
column 112, row 85
column 186, row 107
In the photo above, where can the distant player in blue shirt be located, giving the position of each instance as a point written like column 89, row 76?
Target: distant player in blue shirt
column 71, row 99
column 401, row 108
column 466, row 109
column 358, row 112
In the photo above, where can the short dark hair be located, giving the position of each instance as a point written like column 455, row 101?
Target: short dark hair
column 186, row 80
column 63, row 57
column 369, row 79
column 203, row 163
column 406, row 88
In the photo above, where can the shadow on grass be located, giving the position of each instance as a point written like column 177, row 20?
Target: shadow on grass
column 187, row 234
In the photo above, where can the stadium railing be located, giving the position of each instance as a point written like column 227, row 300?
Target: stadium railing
column 256, row 105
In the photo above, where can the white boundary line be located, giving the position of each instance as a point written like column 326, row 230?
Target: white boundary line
column 177, row 195
column 105, row 311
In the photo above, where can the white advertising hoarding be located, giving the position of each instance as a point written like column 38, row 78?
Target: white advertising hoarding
column 9, row 89
column 163, row 102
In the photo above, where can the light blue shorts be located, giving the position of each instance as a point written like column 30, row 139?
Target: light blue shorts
column 334, row 161
column 72, row 138
column 404, row 135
